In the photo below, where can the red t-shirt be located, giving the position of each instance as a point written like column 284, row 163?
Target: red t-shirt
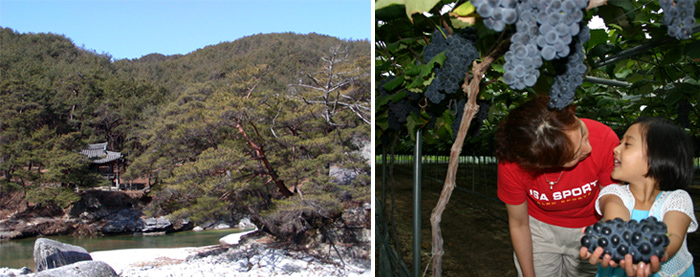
column 571, row 202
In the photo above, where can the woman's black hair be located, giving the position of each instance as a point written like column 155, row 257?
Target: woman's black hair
column 669, row 152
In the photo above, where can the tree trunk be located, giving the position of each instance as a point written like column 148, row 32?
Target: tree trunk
column 260, row 154
column 470, row 110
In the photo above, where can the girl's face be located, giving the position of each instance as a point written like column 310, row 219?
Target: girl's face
column 581, row 142
column 630, row 157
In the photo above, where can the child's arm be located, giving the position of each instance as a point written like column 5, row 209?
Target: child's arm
column 677, row 223
column 611, row 206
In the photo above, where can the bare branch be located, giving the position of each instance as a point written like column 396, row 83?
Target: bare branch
column 470, row 110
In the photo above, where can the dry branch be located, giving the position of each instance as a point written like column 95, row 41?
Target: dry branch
column 470, row 110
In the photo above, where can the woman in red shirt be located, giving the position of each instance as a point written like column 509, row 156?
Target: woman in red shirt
column 552, row 165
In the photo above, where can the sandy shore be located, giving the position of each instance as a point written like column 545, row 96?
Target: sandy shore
column 245, row 260
column 123, row 259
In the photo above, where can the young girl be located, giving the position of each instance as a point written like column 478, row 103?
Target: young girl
column 655, row 159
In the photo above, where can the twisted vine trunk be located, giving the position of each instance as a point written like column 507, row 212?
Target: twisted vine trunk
column 470, row 110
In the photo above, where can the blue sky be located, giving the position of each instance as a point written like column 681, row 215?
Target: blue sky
column 131, row 29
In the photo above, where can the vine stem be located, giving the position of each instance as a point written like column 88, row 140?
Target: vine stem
column 471, row 89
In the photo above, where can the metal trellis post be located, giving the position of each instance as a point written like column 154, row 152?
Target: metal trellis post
column 416, row 205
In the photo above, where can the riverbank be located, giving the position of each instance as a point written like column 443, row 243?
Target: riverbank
column 19, row 253
column 252, row 258
column 256, row 255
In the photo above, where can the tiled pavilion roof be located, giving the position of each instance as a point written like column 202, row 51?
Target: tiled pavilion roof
column 98, row 153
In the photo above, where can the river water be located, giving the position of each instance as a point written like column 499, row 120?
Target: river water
column 19, row 253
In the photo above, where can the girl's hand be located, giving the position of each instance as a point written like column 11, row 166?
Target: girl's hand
column 595, row 257
column 641, row 269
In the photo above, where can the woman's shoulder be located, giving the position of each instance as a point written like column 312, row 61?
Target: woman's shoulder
column 513, row 168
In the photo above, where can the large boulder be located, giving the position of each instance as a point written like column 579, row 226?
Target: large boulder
column 160, row 224
column 124, row 221
column 50, row 254
column 98, row 204
column 80, row 269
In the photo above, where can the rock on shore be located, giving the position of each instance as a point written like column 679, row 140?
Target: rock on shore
column 254, row 260
column 50, row 254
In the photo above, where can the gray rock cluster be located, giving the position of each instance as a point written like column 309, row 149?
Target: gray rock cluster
column 98, row 212
column 53, row 258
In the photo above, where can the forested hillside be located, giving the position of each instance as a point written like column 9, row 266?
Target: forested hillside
column 250, row 127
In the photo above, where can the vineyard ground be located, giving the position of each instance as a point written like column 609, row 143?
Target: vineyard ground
column 474, row 228
column 474, row 224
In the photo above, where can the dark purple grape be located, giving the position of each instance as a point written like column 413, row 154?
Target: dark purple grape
column 615, row 239
column 644, row 248
column 636, row 238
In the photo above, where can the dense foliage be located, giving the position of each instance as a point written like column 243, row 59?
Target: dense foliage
column 642, row 63
column 633, row 68
column 248, row 127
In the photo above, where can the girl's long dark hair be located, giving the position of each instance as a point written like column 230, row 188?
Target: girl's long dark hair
column 669, row 152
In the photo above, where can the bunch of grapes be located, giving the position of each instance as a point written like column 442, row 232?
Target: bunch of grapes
column 398, row 111
column 437, row 45
column 563, row 90
column 618, row 238
column 545, row 30
column 522, row 62
column 679, row 17
column 558, row 23
column 460, row 51
column 496, row 13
